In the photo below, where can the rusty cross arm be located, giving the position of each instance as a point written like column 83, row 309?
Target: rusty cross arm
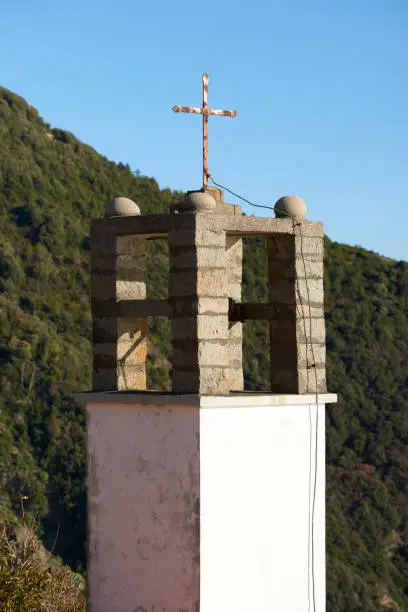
column 197, row 110
column 205, row 112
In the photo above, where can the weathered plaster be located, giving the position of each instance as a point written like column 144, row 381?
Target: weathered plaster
column 202, row 503
column 143, row 508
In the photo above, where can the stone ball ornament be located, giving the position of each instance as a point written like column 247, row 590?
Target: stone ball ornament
column 197, row 201
column 121, row 207
column 290, row 207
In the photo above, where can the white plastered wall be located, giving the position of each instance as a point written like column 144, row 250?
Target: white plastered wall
column 256, row 503
column 246, row 463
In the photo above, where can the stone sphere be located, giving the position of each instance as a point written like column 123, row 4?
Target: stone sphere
column 197, row 201
column 290, row 207
column 121, row 207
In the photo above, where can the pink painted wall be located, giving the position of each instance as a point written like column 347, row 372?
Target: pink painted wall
column 143, row 508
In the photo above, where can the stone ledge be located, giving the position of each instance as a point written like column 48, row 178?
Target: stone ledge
column 158, row 399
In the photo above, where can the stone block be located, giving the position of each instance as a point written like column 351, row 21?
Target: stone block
column 209, row 381
column 208, row 237
column 212, row 283
column 130, row 290
column 307, row 380
column 200, row 353
column 309, row 354
column 318, row 335
column 287, row 291
column 234, row 275
column 212, row 327
column 205, row 282
column 235, row 291
column 235, row 331
column 228, row 209
column 203, row 327
column 206, row 257
column 211, row 305
column 235, row 354
column 214, row 381
column 236, row 380
column 292, row 333
column 285, row 268
column 198, row 234
column 131, row 246
column 213, row 354
column 234, row 248
column 293, row 247
column 132, row 378
column 310, row 290
column 304, row 311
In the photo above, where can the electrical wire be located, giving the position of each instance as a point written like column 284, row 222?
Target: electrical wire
column 312, row 497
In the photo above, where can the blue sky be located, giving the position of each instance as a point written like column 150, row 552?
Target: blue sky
column 320, row 87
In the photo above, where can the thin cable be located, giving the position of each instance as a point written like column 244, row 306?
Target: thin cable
column 311, row 570
column 310, row 519
column 240, row 197
column 317, row 418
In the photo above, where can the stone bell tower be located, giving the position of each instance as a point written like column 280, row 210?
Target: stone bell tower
column 204, row 498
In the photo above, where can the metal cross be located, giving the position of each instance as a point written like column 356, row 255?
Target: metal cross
column 205, row 112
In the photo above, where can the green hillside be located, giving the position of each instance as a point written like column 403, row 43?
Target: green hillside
column 51, row 185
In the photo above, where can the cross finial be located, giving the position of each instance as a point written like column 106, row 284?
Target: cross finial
column 205, row 112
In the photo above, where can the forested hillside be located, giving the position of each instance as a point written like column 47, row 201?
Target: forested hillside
column 51, row 185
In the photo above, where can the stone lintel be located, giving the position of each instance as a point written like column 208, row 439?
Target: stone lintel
column 236, row 225
column 258, row 226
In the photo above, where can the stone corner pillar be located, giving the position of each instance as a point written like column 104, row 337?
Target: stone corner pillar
column 297, row 327
column 118, row 343
column 198, row 297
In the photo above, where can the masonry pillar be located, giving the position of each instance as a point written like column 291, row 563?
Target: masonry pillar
column 198, row 295
column 117, row 274
column 234, row 248
column 297, row 326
